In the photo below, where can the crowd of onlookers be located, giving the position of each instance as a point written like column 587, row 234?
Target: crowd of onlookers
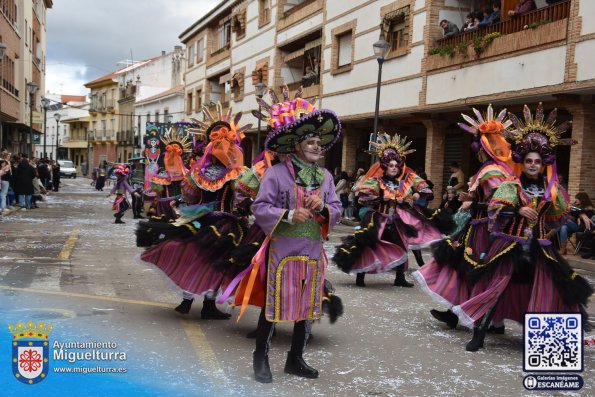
column 25, row 181
column 488, row 16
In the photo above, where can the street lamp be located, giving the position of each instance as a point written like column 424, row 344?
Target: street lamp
column 381, row 48
column 2, row 51
column 57, row 117
column 260, row 89
column 45, row 102
column 32, row 89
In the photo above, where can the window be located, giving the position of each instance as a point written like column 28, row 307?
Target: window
column 148, row 117
column 237, row 85
column 201, row 50
column 342, row 47
column 26, row 33
column 156, row 116
column 238, row 23
column 191, row 50
column 189, row 103
column 223, row 35
column 396, row 26
column 198, row 100
column 264, row 12
column 345, row 49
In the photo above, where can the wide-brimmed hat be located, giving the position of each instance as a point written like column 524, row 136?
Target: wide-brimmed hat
column 292, row 121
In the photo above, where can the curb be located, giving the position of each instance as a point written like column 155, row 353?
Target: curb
column 583, row 264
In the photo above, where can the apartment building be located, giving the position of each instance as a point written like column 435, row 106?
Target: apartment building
column 23, row 43
column 426, row 81
column 117, row 127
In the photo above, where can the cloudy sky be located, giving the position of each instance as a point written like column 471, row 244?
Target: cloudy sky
column 86, row 38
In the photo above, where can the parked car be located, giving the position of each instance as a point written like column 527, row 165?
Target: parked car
column 67, row 168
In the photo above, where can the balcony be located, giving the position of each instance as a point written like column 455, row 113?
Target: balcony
column 543, row 26
column 310, row 91
column 124, row 137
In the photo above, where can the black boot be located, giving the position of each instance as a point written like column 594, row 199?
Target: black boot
column 264, row 333
column 185, row 306
column 447, row 317
column 479, row 331
column 418, row 257
column 497, row 330
column 253, row 334
column 476, row 342
column 296, row 365
column 210, row 312
column 119, row 219
column 262, row 371
column 400, row 278
column 359, row 279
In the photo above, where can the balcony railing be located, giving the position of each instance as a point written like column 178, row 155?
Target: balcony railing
column 10, row 88
column 551, row 13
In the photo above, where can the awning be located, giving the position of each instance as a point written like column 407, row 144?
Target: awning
column 21, row 126
column 75, row 144
column 225, row 78
column 313, row 44
column 294, row 55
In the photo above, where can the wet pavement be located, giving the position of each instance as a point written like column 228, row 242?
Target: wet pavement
column 67, row 264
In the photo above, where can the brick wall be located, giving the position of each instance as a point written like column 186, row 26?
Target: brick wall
column 582, row 156
column 434, row 165
column 350, row 146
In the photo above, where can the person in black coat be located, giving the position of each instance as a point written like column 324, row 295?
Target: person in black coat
column 23, row 182
column 56, row 176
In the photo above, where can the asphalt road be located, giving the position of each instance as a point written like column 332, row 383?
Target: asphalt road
column 67, row 264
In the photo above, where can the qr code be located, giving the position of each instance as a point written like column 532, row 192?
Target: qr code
column 553, row 342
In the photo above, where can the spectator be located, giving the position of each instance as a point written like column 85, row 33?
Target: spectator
column 452, row 200
column 100, row 183
column 494, row 17
column 23, row 182
column 56, row 176
column 310, row 77
column 4, row 184
column 449, row 29
column 580, row 219
column 337, row 175
column 457, row 178
column 358, row 178
column 44, row 172
column 84, row 168
column 522, row 7
column 342, row 190
column 469, row 23
column 424, row 200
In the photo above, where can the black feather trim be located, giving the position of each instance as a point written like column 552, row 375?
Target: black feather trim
column 150, row 233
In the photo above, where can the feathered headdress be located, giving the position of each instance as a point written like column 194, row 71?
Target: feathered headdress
column 121, row 169
column 387, row 149
column 489, row 131
column 541, row 135
column 292, row 121
column 224, row 133
column 538, row 134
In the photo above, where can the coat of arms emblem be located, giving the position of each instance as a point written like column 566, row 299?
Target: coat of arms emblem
column 30, row 351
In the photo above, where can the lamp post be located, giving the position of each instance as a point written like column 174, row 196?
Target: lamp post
column 57, row 117
column 2, row 51
column 380, row 50
column 32, row 89
column 45, row 102
column 260, row 89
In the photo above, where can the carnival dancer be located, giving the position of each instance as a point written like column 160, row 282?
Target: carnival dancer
column 296, row 206
column 394, row 222
column 246, row 189
column 121, row 204
column 205, row 228
column 445, row 277
column 521, row 272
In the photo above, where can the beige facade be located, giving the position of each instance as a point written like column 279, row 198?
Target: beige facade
column 545, row 56
column 23, row 32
